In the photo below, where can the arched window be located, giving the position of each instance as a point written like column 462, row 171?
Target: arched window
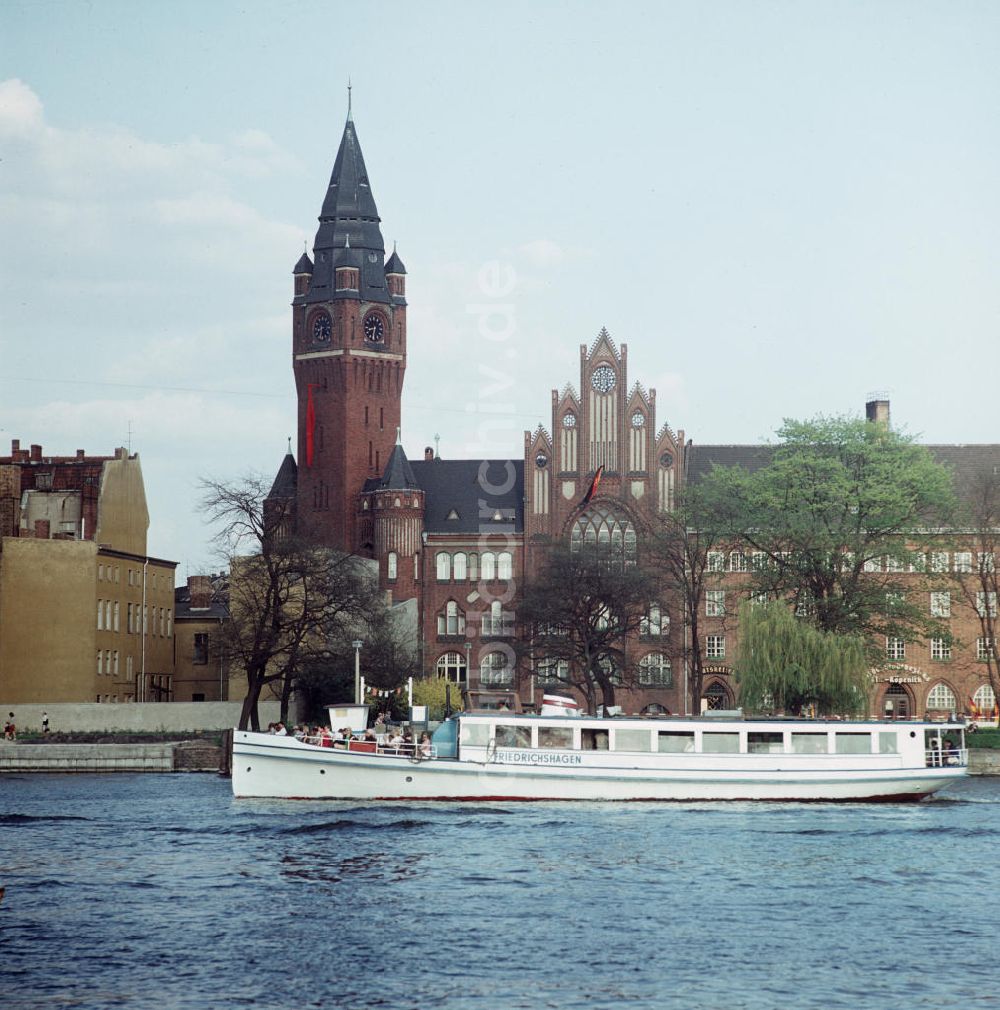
column 505, row 565
column 655, row 670
column 459, row 567
column 985, row 700
column 451, row 620
column 896, row 704
column 613, row 536
column 473, row 567
column 391, row 564
column 941, row 698
column 495, row 670
column 451, row 666
column 489, row 566
column 716, row 697
column 443, row 567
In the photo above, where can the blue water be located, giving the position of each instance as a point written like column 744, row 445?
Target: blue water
column 162, row 891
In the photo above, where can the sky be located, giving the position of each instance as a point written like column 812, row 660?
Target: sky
column 780, row 207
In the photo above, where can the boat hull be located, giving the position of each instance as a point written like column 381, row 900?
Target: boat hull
column 266, row 766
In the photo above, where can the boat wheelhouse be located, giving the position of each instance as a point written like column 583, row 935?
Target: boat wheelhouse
column 504, row 755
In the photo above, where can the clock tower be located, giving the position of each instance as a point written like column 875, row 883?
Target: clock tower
column 348, row 352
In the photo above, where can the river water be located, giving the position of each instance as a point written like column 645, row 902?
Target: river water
column 162, row 891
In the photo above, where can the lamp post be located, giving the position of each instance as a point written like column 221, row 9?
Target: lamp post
column 357, row 643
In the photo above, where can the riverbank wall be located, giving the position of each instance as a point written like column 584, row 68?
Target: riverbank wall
column 179, row 756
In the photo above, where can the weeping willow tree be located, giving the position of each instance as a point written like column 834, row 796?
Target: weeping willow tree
column 787, row 664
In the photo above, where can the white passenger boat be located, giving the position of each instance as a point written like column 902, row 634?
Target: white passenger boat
column 502, row 755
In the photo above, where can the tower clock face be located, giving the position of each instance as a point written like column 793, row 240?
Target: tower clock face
column 374, row 328
column 322, row 327
column 603, row 379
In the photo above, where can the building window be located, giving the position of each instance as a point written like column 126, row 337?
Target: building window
column 715, row 561
column 451, row 621
column 145, row 620
column 200, row 649
column 941, row 698
column 984, row 701
column 737, row 561
column 443, row 567
column 894, row 564
column 391, row 563
column 983, row 648
column 488, row 569
column 987, row 562
column 460, row 567
column 497, row 621
column 128, row 668
column 940, row 649
column 655, row 622
column 552, row 672
column 505, row 565
column 495, row 670
column 758, row 561
column 473, row 567
column 655, row 671
column 895, row 648
column 715, row 603
column 100, row 615
column 984, row 602
column 941, row 604
column 939, row 561
column 100, row 662
column 100, row 573
column 114, row 662
column 715, row 647
column 873, row 565
column 963, row 561
column 613, row 537
column 170, row 623
column 117, row 616
column 451, row 666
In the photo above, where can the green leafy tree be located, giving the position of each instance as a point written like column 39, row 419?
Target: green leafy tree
column 833, row 522
column 786, row 664
column 436, row 693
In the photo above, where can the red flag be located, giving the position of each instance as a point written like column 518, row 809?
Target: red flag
column 310, row 425
column 594, row 484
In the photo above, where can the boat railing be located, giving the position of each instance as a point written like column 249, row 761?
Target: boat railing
column 934, row 757
column 381, row 746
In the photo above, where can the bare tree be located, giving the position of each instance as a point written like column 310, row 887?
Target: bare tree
column 980, row 586
column 577, row 614
column 680, row 547
column 287, row 598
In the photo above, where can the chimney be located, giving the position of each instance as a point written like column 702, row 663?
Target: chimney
column 15, row 446
column 200, row 591
column 36, row 454
column 80, row 454
column 428, row 453
column 877, row 409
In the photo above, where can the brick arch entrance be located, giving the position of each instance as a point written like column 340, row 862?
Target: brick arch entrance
column 897, row 702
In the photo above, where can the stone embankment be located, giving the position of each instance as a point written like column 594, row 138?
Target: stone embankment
column 177, row 756
column 984, row 762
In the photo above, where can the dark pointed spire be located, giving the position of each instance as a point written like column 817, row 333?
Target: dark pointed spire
column 398, row 474
column 394, row 265
column 349, row 233
column 287, row 480
column 304, row 265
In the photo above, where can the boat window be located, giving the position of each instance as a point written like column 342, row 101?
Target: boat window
column 854, row 743
column 887, row 743
column 632, row 739
column 809, row 743
column 765, row 743
column 720, row 743
column 555, row 736
column 594, row 739
column 675, row 743
column 513, row 736
column 476, row 734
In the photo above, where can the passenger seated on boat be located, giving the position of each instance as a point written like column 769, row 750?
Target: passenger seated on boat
column 425, row 745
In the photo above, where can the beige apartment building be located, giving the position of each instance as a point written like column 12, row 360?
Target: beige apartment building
column 85, row 614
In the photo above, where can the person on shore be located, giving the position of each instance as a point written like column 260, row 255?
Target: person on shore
column 45, row 722
column 9, row 729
